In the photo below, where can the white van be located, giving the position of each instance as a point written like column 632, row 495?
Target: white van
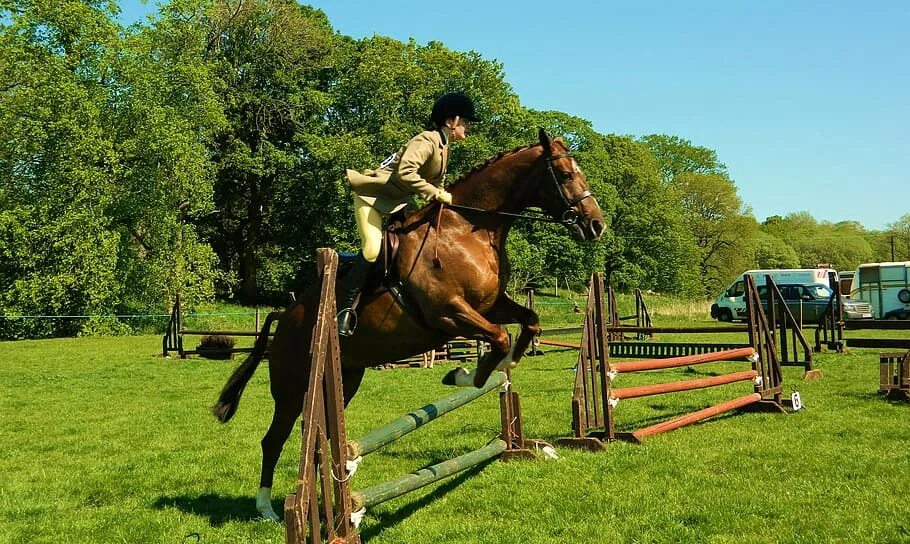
column 886, row 287
column 731, row 304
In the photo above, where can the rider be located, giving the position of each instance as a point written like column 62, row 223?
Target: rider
column 419, row 167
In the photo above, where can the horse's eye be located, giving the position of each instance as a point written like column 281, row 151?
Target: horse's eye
column 567, row 175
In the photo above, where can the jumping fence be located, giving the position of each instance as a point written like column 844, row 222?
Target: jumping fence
column 894, row 367
column 794, row 348
column 595, row 398
column 176, row 332
column 323, row 507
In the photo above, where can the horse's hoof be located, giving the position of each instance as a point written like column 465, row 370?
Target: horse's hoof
column 452, row 377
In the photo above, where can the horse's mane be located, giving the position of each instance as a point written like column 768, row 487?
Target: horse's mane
column 488, row 162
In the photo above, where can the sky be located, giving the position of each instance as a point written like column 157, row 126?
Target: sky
column 806, row 102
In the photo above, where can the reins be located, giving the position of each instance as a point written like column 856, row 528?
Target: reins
column 541, row 218
column 569, row 216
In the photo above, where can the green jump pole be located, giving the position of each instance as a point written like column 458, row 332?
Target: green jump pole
column 407, row 423
column 379, row 493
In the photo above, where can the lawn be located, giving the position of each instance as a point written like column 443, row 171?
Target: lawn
column 103, row 440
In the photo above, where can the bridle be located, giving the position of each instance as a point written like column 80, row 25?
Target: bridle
column 569, row 215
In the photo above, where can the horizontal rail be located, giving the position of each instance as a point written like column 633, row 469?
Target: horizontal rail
column 661, row 350
column 681, row 330
column 409, row 422
column 216, row 351
column 395, row 488
column 869, row 324
column 559, row 344
column 890, row 343
column 684, row 385
column 562, row 330
column 220, row 333
column 695, row 417
column 673, row 362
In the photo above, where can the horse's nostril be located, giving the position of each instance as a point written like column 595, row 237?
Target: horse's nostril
column 597, row 227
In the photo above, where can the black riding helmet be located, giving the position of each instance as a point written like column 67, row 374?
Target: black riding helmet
column 450, row 105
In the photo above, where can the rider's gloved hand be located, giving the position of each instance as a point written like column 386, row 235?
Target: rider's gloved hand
column 443, row 196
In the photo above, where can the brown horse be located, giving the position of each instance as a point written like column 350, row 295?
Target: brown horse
column 454, row 269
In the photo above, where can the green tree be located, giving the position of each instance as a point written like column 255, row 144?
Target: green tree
column 898, row 235
column 58, row 253
column 723, row 228
column 100, row 146
column 677, row 156
column 649, row 246
column 841, row 245
column 772, row 252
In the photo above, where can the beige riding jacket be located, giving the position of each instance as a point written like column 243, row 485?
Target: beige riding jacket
column 418, row 167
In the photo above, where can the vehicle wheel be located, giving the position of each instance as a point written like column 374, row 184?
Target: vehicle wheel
column 891, row 317
column 904, row 295
column 904, row 316
column 725, row 315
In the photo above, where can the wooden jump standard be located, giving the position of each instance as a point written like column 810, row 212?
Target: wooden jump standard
column 594, row 397
column 894, row 367
column 323, row 507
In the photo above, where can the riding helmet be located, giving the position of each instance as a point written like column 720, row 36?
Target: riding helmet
column 450, row 105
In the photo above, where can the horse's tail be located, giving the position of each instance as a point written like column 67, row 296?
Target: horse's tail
column 230, row 396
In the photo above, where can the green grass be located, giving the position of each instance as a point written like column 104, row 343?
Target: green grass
column 105, row 441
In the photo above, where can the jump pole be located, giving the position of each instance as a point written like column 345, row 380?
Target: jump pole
column 385, row 491
column 687, row 360
column 691, row 418
column 684, row 385
column 407, row 423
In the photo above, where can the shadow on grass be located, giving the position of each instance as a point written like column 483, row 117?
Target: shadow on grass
column 219, row 509
column 387, row 520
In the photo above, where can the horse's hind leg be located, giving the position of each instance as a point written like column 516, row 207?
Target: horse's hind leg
column 286, row 414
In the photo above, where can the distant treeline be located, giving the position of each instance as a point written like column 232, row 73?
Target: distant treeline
column 203, row 153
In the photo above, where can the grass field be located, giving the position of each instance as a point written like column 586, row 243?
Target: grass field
column 103, row 440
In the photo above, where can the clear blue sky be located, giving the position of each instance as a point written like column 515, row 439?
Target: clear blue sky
column 806, row 102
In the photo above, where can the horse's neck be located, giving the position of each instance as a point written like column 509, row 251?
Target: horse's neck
column 500, row 186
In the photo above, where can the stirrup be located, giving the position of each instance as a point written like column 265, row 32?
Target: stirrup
column 347, row 325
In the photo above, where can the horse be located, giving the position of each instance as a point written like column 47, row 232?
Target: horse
column 453, row 268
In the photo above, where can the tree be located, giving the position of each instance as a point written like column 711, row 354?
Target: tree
column 649, row 246
column 899, row 232
column 677, row 156
column 723, row 228
column 100, row 146
column 841, row 245
column 772, row 252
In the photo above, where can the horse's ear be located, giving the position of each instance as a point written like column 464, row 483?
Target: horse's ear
column 545, row 141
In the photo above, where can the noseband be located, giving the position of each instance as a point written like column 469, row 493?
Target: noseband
column 569, row 215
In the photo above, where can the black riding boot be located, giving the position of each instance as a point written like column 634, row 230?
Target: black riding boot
column 347, row 317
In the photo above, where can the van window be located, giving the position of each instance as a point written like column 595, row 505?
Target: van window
column 738, row 289
column 819, row 292
column 868, row 274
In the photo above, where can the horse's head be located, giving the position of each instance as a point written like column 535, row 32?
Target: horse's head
column 564, row 192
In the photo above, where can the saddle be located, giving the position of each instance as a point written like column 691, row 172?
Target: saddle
column 383, row 276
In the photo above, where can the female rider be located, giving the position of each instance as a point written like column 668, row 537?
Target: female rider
column 419, row 167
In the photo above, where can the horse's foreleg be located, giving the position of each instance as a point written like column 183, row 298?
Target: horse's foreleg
column 462, row 320
column 507, row 310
